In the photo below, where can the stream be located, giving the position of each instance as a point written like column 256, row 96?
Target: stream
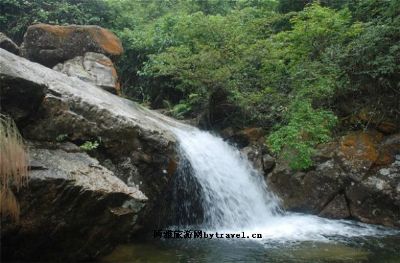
column 218, row 191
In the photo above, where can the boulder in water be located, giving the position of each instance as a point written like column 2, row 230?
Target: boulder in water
column 336, row 209
column 376, row 199
column 255, row 156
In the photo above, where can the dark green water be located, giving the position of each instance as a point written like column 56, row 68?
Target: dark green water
column 366, row 249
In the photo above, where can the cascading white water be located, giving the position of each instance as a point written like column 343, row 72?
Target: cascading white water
column 234, row 195
column 236, row 198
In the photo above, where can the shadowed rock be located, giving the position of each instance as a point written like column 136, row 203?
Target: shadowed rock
column 7, row 44
column 72, row 207
column 336, row 209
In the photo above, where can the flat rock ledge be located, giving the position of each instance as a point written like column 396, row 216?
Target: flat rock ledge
column 72, row 208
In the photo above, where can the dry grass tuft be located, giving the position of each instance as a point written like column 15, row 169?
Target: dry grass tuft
column 9, row 204
column 13, row 166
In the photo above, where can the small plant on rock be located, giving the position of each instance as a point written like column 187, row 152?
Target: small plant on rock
column 90, row 145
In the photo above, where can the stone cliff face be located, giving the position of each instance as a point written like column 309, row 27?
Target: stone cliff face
column 67, row 186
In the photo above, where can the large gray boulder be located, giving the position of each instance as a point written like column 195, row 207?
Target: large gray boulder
column 55, row 105
column 135, row 144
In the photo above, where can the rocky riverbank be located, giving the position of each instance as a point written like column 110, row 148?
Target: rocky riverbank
column 356, row 176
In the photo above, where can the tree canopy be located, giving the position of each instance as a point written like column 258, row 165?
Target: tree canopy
column 280, row 65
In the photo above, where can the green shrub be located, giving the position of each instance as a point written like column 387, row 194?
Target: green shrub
column 179, row 110
column 305, row 129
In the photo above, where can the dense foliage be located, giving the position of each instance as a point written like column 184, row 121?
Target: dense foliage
column 282, row 65
column 17, row 15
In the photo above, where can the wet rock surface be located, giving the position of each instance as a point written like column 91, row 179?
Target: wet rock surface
column 336, row 209
column 251, row 142
column 259, row 157
column 244, row 137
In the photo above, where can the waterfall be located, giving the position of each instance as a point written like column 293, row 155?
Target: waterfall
column 217, row 189
column 233, row 192
column 235, row 197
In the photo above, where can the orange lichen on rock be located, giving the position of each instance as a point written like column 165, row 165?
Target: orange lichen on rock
column 118, row 88
column 361, row 146
column 106, row 62
column 52, row 44
column 368, row 148
column 58, row 31
column 107, row 40
column 114, row 73
column 117, row 83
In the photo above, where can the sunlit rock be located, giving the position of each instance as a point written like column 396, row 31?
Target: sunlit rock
column 92, row 67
